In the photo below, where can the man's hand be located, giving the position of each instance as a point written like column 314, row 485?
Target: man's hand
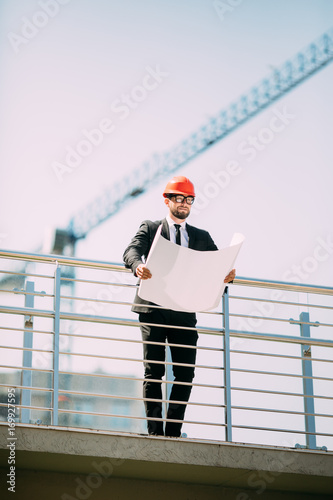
column 143, row 272
column 230, row 276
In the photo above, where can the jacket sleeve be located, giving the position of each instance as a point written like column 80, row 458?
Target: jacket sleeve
column 210, row 243
column 203, row 240
column 138, row 248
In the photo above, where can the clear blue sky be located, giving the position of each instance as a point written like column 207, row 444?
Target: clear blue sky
column 70, row 73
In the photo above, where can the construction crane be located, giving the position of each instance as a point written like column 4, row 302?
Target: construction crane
column 281, row 80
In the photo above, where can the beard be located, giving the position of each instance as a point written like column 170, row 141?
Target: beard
column 180, row 214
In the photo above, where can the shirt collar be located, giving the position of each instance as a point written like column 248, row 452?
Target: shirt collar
column 172, row 223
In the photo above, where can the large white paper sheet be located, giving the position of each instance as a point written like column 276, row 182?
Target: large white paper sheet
column 187, row 280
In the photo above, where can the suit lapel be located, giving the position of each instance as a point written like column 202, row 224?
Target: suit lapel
column 165, row 229
column 191, row 235
column 190, row 231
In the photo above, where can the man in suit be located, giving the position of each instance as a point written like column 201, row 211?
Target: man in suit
column 179, row 195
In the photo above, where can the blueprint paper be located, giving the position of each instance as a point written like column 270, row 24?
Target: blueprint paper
column 187, row 280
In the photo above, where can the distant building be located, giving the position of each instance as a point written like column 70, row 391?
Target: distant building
column 80, row 408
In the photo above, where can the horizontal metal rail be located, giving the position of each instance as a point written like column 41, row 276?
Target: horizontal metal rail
column 279, row 393
column 129, row 322
column 277, row 410
column 61, row 260
column 121, row 398
column 115, row 415
column 93, row 264
column 275, row 355
column 281, row 338
column 17, row 386
column 282, row 320
column 281, row 374
column 27, row 349
column 72, row 353
column 98, row 282
column 166, row 363
column 118, row 377
column 31, row 368
column 13, row 329
column 283, row 285
column 276, row 429
column 32, row 294
column 26, row 274
column 136, row 417
column 280, row 302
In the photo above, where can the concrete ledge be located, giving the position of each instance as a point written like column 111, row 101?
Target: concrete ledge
column 158, row 459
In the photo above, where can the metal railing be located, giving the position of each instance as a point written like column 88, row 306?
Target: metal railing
column 71, row 353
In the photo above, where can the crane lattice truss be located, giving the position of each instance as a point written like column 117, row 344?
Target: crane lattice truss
column 283, row 79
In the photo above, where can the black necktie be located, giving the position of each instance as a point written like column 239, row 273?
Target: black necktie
column 177, row 226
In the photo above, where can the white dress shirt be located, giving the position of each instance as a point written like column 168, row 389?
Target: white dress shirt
column 183, row 232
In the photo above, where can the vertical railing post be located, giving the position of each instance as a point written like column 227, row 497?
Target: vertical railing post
column 310, row 427
column 168, row 378
column 226, row 363
column 29, row 302
column 57, row 278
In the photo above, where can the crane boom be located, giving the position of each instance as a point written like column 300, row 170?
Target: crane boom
column 281, row 80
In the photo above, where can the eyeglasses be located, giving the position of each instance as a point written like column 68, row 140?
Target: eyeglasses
column 178, row 198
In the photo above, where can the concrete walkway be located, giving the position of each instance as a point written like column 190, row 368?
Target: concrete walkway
column 80, row 463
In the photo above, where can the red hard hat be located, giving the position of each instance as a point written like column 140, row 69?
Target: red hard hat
column 179, row 185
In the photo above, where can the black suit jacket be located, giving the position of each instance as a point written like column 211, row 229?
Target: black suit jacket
column 140, row 245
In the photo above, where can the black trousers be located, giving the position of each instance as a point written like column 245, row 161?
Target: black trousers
column 154, row 372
